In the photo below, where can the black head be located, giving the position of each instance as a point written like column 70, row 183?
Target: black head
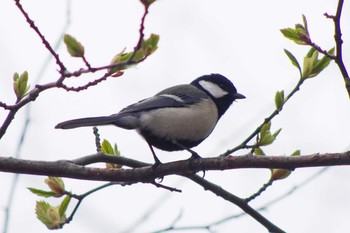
column 220, row 89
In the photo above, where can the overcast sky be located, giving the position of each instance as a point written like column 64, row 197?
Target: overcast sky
column 239, row 39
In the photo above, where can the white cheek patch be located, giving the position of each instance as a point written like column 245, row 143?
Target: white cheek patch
column 213, row 89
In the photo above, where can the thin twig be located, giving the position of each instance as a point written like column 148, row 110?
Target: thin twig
column 80, row 198
column 244, row 144
column 260, row 191
column 241, row 203
column 270, row 203
column 339, row 43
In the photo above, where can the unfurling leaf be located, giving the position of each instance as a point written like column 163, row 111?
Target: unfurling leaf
column 49, row 215
column 293, row 60
column 63, row 207
column 323, row 62
column 265, row 136
column 117, row 59
column 299, row 34
column 309, row 62
column 107, row 148
column 124, row 60
column 275, row 134
column 74, row 47
column 42, row 193
column 312, row 65
column 20, row 84
column 150, row 45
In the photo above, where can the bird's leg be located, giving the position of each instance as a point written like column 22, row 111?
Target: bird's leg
column 194, row 155
column 157, row 162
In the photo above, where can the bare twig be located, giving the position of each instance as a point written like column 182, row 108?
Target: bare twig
column 320, row 50
column 81, row 197
column 238, row 215
column 151, row 210
column 339, row 44
column 260, row 191
column 244, row 144
column 241, row 203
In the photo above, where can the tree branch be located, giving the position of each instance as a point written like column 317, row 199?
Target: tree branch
column 144, row 173
column 241, row 203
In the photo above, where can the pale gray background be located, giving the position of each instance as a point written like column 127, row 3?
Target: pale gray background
column 240, row 39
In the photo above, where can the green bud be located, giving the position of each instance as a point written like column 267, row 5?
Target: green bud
column 312, row 65
column 295, row 153
column 150, row 45
column 258, row 151
column 56, row 185
column 267, row 139
column 265, row 136
column 20, row 84
column 309, row 62
column 119, row 58
column 279, row 100
column 279, row 174
column 74, row 47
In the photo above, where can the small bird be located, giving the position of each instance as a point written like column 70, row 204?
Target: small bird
column 177, row 118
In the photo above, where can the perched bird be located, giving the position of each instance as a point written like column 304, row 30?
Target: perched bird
column 177, row 118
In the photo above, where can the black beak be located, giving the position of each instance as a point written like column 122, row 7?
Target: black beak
column 239, row 96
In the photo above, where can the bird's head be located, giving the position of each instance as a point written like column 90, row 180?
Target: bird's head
column 220, row 89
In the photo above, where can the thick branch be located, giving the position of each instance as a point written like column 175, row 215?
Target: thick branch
column 75, row 169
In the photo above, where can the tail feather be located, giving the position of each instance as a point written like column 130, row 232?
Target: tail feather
column 84, row 122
